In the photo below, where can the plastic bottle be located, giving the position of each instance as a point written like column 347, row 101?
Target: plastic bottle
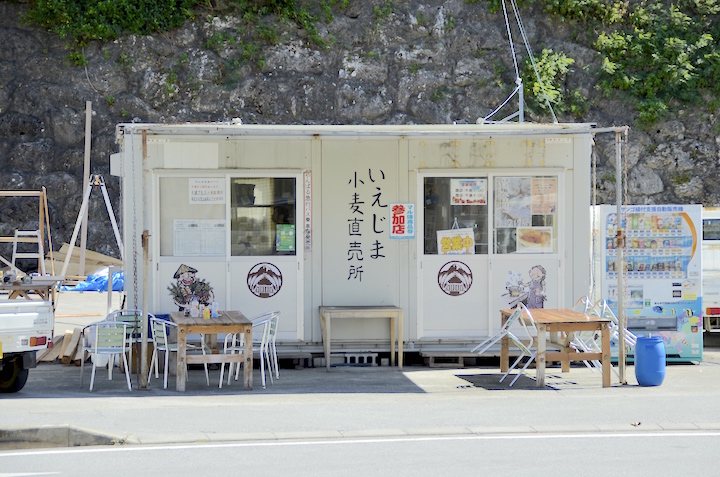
column 195, row 308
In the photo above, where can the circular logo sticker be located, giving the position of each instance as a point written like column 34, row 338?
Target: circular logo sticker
column 455, row 278
column 264, row 280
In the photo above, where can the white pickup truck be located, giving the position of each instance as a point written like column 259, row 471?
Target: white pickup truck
column 711, row 268
column 26, row 327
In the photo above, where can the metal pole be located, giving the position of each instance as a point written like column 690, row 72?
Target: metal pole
column 521, row 100
column 86, row 181
column 622, row 319
column 144, row 334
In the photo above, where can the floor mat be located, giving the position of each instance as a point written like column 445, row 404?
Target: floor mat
column 491, row 382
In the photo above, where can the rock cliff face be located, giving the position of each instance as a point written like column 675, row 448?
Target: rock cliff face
column 424, row 62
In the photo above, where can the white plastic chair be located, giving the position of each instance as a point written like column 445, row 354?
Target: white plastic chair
column 87, row 342
column 133, row 319
column 160, row 333
column 265, row 348
column 239, row 343
column 110, row 340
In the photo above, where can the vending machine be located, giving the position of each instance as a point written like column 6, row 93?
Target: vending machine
column 663, row 288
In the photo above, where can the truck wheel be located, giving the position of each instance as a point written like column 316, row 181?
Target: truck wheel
column 13, row 377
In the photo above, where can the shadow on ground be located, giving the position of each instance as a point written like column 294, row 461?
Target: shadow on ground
column 59, row 380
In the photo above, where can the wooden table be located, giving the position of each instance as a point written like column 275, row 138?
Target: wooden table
column 43, row 286
column 561, row 320
column 227, row 322
column 394, row 313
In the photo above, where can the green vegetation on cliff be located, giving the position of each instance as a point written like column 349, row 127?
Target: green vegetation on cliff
column 660, row 55
column 104, row 20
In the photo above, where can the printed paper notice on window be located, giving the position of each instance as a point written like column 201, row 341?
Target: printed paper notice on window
column 212, row 237
column 544, row 196
column 285, row 237
column 186, row 238
column 468, row 191
column 209, row 190
column 192, row 237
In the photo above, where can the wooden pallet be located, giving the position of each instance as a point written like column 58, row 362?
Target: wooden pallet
column 447, row 359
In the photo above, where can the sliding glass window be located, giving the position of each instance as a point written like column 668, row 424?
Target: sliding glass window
column 525, row 214
column 263, row 218
column 455, row 215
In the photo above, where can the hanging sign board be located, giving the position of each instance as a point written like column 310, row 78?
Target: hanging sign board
column 456, row 242
column 307, row 221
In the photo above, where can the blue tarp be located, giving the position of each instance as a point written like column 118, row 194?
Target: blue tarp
column 99, row 283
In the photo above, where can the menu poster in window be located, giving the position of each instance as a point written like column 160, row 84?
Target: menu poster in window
column 186, row 237
column 212, row 237
column 468, row 191
column 456, row 242
column 544, row 195
column 534, row 239
column 207, row 191
column 513, row 200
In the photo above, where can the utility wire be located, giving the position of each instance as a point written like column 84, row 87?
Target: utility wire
column 512, row 46
column 530, row 55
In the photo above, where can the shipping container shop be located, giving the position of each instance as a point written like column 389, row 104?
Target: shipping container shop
column 449, row 223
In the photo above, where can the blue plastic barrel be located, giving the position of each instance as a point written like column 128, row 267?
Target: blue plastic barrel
column 650, row 360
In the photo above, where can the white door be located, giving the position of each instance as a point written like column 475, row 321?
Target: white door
column 453, row 295
column 265, row 265
column 453, row 256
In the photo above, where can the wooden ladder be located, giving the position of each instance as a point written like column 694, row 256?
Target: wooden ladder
column 31, row 236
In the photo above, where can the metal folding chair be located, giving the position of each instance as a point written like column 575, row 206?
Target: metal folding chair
column 504, row 330
column 526, row 349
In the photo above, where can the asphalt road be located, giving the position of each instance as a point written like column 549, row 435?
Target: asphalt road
column 606, row 454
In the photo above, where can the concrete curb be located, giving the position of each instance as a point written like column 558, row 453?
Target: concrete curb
column 67, row 436
column 57, row 436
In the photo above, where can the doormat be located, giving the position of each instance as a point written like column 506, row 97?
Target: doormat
column 491, row 382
